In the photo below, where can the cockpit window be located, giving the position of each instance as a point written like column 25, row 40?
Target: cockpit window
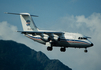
column 82, row 38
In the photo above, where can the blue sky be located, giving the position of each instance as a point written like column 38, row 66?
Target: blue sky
column 83, row 16
column 49, row 12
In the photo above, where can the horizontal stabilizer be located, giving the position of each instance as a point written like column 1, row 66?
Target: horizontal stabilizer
column 25, row 14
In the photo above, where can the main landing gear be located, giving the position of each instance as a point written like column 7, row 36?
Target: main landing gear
column 49, row 48
column 63, row 49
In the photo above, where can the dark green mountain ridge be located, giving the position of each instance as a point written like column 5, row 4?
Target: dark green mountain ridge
column 17, row 56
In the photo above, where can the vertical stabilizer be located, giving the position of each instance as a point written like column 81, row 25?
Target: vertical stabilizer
column 27, row 22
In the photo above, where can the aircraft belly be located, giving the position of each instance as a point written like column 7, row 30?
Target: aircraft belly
column 59, row 43
column 64, row 43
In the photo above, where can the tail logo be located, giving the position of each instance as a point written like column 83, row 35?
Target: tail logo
column 28, row 22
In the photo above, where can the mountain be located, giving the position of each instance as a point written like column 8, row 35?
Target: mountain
column 17, row 56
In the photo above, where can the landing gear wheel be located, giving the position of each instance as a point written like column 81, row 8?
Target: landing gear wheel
column 85, row 51
column 63, row 49
column 49, row 48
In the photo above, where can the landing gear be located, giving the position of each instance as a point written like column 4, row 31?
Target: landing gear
column 85, row 50
column 49, row 48
column 49, row 44
column 63, row 49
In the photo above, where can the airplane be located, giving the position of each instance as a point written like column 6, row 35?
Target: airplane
column 52, row 38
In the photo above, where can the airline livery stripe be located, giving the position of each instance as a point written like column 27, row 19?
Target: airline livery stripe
column 34, row 38
column 74, row 41
column 62, row 40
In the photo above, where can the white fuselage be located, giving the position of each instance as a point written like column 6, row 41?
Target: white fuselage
column 68, row 40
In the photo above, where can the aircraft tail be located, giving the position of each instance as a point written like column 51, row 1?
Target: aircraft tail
column 27, row 21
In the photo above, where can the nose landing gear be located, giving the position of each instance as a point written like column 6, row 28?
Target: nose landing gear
column 85, row 50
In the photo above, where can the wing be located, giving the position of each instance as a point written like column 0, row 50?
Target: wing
column 54, row 36
column 41, row 32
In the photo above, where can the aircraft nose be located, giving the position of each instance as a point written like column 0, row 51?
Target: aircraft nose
column 91, row 44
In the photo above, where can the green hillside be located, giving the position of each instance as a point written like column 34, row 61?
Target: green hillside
column 17, row 56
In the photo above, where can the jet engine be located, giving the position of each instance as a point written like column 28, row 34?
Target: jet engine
column 46, row 38
column 55, row 38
